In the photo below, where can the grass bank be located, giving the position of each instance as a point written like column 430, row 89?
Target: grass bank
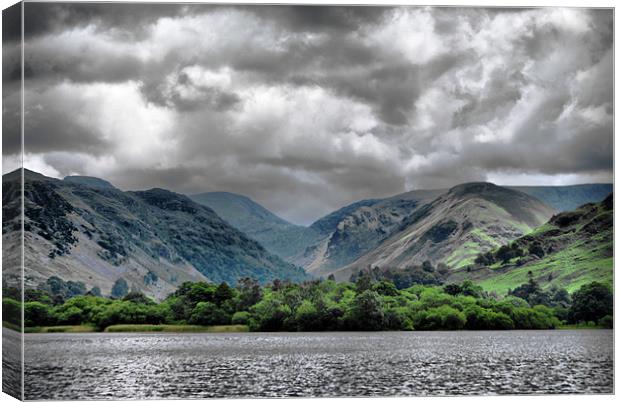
column 175, row 328
column 59, row 329
column 589, row 325
column 9, row 325
column 135, row 328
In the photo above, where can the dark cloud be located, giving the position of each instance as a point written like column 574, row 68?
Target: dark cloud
column 320, row 18
column 128, row 18
column 307, row 108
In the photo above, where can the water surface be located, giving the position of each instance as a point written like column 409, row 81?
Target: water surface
column 115, row 366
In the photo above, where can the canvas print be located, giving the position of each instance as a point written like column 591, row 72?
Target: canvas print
column 203, row 200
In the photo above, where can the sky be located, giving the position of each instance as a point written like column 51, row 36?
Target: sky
column 308, row 108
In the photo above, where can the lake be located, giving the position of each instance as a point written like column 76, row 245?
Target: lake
column 116, row 366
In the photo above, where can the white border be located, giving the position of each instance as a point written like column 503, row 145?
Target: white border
column 476, row 3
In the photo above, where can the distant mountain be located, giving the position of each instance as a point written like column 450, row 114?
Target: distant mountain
column 277, row 235
column 154, row 239
column 572, row 249
column 568, row 198
column 455, row 227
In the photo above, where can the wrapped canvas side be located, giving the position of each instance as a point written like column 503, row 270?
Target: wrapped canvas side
column 12, row 203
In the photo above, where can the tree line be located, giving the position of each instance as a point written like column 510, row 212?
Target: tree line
column 367, row 304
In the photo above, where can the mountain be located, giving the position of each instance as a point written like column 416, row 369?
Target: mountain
column 329, row 223
column 332, row 241
column 455, row 227
column 571, row 249
column 568, row 198
column 89, row 181
column 358, row 228
column 343, row 236
column 277, row 235
column 154, row 239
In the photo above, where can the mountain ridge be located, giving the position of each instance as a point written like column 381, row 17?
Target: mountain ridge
column 479, row 216
column 454, row 226
column 97, row 235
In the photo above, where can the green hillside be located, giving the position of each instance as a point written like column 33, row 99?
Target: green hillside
column 572, row 249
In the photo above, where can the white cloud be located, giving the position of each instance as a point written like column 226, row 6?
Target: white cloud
column 411, row 33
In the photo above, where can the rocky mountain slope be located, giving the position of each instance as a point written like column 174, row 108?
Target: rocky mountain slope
column 455, row 227
column 332, row 241
column 571, row 249
column 359, row 228
column 81, row 230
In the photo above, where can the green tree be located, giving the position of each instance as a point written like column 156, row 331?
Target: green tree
column 223, row 293
column 367, row 312
column 71, row 316
column 427, row 266
column 270, row 314
column 385, row 288
column 249, row 293
column 240, row 318
column 363, row 283
column 560, row 297
column 591, row 302
column 139, row 298
column 208, row 313
column 307, row 317
column 37, row 314
column 479, row 318
column 439, row 318
column 452, row 289
column 12, row 311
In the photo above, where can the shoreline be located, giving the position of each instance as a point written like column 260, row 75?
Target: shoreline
column 137, row 328
column 180, row 329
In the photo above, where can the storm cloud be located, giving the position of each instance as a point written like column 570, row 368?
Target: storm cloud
column 307, row 108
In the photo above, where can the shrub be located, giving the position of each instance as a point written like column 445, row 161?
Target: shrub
column 240, row 318
column 12, row 311
column 439, row 318
column 70, row 316
column 607, row 321
column 207, row 313
column 37, row 314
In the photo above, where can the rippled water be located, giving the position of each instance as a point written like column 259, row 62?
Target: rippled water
column 11, row 363
column 95, row 366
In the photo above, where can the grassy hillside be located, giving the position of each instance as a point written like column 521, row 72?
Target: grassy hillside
column 572, row 249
